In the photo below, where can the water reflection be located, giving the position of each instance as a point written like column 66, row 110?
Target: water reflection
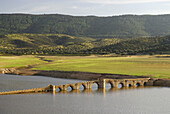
column 99, row 90
column 126, row 100
column 89, row 91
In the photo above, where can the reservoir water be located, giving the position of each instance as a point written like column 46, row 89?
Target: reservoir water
column 141, row 100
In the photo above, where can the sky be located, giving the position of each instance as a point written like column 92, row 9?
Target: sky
column 86, row 7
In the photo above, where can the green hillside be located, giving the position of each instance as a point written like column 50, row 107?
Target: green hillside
column 150, row 45
column 87, row 26
column 49, row 44
column 52, row 44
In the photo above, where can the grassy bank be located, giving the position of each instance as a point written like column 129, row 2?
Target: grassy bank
column 19, row 61
column 136, row 65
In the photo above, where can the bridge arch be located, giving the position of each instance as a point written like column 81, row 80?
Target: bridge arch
column 120, row 85
column 138, row 84
column 69, row 87
column 145, row 83
column 58, row 89
column 109, row 84
column 82, row 87
column 94, row 85
column 129, row 83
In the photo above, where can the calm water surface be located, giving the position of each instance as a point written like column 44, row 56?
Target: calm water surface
column 149, row 100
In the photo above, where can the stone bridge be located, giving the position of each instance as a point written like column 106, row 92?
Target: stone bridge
column 101, row 83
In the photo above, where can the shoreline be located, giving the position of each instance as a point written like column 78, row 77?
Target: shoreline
column 66, row 74
column 80, row 75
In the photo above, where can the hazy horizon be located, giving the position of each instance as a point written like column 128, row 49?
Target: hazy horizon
column 82, row 15
column 86, row 7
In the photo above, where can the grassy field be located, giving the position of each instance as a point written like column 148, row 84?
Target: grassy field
column 19, row 61
column 136, row 65
column 144, row 65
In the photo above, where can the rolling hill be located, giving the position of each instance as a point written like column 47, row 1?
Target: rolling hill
column 125, row 26
column 150, row 45
column 49, row 44
column 52, row 44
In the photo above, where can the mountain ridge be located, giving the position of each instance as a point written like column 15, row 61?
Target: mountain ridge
column 123, row 26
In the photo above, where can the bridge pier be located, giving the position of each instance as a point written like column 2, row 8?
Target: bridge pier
column 64, row 88
column 101, row 83
column 116, row 83
column 126, row 84
column 76, row 87
column 142, row 83
column 54, row 89
column 51, row 88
